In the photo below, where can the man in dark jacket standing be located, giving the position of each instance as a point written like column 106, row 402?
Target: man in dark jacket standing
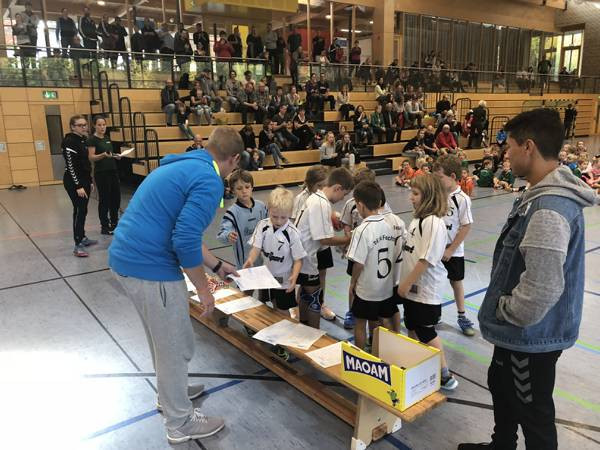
column 87, row 29
column 570, row 116
column 65, row 31
column 532, row 308
column 168, row 101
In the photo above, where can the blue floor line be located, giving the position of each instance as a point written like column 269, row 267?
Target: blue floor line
column 123, row 424
column 396, row 442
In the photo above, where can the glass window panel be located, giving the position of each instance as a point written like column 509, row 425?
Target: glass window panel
column 411, row 39
column 459, row 57
column 567, row 40
column 577, row 38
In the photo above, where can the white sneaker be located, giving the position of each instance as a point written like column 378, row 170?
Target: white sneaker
column 327, row 313
column 198, row 426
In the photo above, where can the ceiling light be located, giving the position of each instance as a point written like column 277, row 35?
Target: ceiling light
column 328, row 16
column 370, row 22
column 101, row 2
column 345, row 30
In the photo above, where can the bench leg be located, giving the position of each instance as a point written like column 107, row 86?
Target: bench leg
column 372, row 423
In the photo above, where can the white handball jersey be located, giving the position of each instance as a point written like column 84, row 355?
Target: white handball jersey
column 299, row 202
column 352, row 218
column 426, row 239
column 314, row 223
column 459, row 214
column 280, row 248
column 377, row 245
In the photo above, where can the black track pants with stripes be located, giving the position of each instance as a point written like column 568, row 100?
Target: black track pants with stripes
column 521, row 385
column 80, row 206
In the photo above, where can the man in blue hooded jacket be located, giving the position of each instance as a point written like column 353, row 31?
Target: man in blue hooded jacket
column 159, row 234
column 532, row 308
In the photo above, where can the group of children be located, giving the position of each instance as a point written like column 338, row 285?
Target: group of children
column 577, row 158
column 389, row 264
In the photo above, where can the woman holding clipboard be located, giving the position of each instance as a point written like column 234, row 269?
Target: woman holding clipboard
column 106, row 176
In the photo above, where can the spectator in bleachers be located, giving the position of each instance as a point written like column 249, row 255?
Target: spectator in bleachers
column 76, row 51
column 267, row 142
column 201, row 39
column 168, row 100
column 478, row 125
column 137, row 44
column 296, row 57
column 87, row 29
column 183, row 50
column 501, row 137
column 254, row 44
column 346, row 151
column 398, row 93
column 362, row 129
column 569, row 121
column 409, row 93
column 183, row 114
column 393, row 130
column 328, row 156
column 417, row 144
column 381, row 94
column 108, row 42
column 543, row 68
column 31, row 21
column 280, row 54
column 355, row 53
column 379, row 72
column 293, row 101
column 429, row 145
column 210, row 90
column 152, row 42
column 235, row 39
column 248, row 79
column 312, row 93
column 392, row 73
column 445, row 140
column 263, row 98
column 364, row 71
column 442, row 107
column 248, row 103
column 343, row 103
column 167, row 45
column 302, row 129
column 377, row 125
column 66, row 30
column 294, row 39
column 184, row 83
column 199, row 103
column 324, row 95
column 286, row 137
column 19, row 30
column 398, row 109
column 270, row 41
column 318, row 46
column 249, row 139
column 414, row 113
column 499, row 80
column 522, row 79
column 197, row 144
column 276, row 101
column 119, row 32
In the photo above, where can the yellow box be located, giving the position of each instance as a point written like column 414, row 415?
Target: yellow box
column 405, row 373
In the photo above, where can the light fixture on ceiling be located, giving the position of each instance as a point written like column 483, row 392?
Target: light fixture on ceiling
column 370, row 22
column 101, row 2
column 345, row 30
column 328, row 16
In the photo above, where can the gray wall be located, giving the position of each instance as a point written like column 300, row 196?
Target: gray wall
column 579, row 12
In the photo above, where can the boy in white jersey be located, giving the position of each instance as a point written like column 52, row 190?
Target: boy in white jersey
column 351, row 219
column 458, row 222
column 375, row 249
column 316, row 232
column 421, row 270
column 279, row 242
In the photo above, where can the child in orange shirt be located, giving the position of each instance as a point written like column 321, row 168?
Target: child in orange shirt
column 466, row 183
column 423, row 167
column 406, row 174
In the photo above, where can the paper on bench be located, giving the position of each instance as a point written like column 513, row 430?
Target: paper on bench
column 255, row 278
column 276, row 332
column 237, row 305
column 127, row 152
column 189, row 284
column 224, row 293
column 302, row 337
column 327, row 356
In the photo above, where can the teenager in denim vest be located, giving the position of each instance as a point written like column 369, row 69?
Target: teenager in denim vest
column 532, row 309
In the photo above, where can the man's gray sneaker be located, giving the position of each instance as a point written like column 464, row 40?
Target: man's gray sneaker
column 194, row 391
column 466, row 326
column 198, row 426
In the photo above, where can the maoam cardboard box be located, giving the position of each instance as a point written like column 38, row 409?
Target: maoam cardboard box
column 405, row 372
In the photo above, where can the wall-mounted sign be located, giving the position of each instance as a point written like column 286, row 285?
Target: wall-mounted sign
column 2, row 147
column 40, row 146
column 50, row 95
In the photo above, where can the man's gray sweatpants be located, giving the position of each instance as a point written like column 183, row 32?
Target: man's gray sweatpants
column 163, row 308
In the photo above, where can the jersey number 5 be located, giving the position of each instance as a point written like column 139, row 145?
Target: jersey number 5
column 381, row 258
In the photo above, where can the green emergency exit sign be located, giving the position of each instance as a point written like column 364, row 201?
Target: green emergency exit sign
column 50, row 95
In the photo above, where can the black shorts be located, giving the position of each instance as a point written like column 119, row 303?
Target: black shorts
column 456, row 268
column 279, row 297
column 308, row 280
column 324, row 259
column 363, row 309
column 396, row 298
column 421, row 318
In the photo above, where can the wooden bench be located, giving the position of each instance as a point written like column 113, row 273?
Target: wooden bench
column 393, row 148
column 371, row 418
column 398, row 160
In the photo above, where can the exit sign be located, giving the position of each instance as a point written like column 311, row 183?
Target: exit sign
column 50, row 95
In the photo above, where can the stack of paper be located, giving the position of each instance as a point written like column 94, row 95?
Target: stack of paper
column 224, row 293
column 189, row 284
column 292, row 334
column 327, row 356
column 255, row 278
column 237, row 305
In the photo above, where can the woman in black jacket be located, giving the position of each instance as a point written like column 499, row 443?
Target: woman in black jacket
column 78, row 180
column 183, row 50
column 479, row 125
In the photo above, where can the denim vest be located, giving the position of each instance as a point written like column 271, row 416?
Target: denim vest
column 559, row 329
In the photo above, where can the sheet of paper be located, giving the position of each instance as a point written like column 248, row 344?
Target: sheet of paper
column 189, row 284
column 127, row 153
column 302, row 337
column 224, row 293
column 327, row 356
column 237, row 305
column 255, row 278
column 276, row 332
column 195, row 298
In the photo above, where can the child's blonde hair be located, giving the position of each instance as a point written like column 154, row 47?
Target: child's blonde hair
column 571, row 157
column 462, row 155
column 314, row 176
column 434, row 200
column 364, row 174
column 282, row 200
column 419, row 163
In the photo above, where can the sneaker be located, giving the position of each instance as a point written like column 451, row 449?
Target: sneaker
column 198, row 426
column 466, row 326
column 279, row 167
column 80, row 252
column 281, row 352
column 194, row 391
column 449, row 383
column 285, row 160
column 86, row 242
column 106, row 231
column 349, row 321
column 327, row 313
column 481, row 446
column 294, row 313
